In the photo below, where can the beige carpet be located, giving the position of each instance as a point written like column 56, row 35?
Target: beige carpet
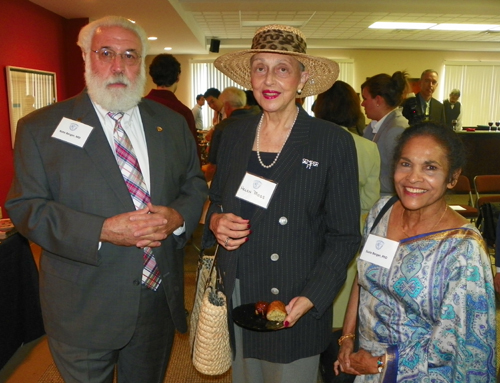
column 180, row 369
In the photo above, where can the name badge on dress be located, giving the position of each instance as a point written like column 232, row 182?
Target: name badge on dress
column 379, row 250
column 73, row 132
column 256, row 190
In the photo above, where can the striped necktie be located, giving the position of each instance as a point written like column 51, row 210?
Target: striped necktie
column 132, row 175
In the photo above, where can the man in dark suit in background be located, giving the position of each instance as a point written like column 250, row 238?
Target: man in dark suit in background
column 109, row 185
column 423, row 107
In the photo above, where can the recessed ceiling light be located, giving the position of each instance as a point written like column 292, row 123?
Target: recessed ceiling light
column 464, row 27
column 152, row 38
column 260, row 23
column 167, row 48
column 397, row 25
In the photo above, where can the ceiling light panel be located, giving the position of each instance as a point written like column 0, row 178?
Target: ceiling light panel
column 399, row 25
column 463, row 27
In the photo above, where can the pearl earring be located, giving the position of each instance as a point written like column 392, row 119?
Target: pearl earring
column 299, row 91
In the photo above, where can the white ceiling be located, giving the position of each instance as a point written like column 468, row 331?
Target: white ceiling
column 188, row 25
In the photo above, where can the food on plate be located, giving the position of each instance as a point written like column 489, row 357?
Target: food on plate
column 261, row 308
column 276, row 311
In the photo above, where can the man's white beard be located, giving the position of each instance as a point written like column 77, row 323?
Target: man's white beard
column 115, row 99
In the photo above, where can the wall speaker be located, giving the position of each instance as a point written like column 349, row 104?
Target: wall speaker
column 214, row 45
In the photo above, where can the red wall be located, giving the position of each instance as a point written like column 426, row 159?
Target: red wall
column 33, row 37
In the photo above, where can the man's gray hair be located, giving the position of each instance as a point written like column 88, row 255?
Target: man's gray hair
column 428, row 71
column 455, row 92
column 236, row 97
column 88, row 31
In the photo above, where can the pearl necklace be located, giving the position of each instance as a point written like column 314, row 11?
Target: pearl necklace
column 282, row 146
column 432, row 228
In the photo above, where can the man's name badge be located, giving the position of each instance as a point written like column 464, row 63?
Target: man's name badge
column 379, row 250
column 256, row 190
column 73, row 132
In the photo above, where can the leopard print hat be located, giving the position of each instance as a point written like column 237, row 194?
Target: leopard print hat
column 281, row 39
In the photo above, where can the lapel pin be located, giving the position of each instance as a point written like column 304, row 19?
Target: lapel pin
column 159, row 128
column 309, row 163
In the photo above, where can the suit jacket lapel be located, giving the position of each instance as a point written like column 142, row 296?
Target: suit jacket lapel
column 385, row 125
column 97, row 147
column 291, row 154
column 156, row 147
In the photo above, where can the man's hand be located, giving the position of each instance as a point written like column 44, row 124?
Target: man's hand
column 121, row 229
column 142, row 228
column 151, row 236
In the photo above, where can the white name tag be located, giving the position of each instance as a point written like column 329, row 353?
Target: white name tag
column 379, row 250
column 73, row 132
column 256, row 190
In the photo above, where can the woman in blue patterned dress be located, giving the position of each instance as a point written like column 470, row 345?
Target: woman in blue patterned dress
column 426, row 312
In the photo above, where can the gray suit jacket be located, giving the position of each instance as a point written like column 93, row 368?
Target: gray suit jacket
column 60, row 197
column 386, row 137
column 302, row 243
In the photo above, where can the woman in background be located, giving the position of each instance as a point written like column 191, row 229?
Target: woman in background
column 340, row 105
column 382, row 95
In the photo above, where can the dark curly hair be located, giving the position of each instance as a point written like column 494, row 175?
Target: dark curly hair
column 165, row 70
column 214, row 92
column 449, row 141
column 340, row 104
column 390, row 88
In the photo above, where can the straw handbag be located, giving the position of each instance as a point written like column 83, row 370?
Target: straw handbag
column 209, row 334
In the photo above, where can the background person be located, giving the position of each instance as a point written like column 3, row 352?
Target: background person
column 235, row 107
column 426, row 108
column 165, row 71
column 297, row 249
column 428, row 314
column 197, row 113
column 212, row 98
column 340, row 105
column 453, row 110
column 382, row 94
column 102, row 306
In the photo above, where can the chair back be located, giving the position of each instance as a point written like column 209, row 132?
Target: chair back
column 486, row 199
column 463, row 187
column 486, row 184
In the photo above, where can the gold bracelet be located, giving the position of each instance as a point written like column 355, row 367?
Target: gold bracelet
column 344, row 337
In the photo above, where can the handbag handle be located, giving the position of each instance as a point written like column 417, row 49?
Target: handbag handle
column 207, row 283
column 384, row 209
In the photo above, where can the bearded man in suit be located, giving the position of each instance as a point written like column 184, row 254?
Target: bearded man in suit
column 110, row 186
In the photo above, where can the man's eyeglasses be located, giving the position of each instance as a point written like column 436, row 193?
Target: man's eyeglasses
column 108, row 55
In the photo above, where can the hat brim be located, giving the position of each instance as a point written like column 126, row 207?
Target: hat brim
column 322, row 71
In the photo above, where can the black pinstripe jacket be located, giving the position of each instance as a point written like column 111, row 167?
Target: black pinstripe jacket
column 317, row 200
